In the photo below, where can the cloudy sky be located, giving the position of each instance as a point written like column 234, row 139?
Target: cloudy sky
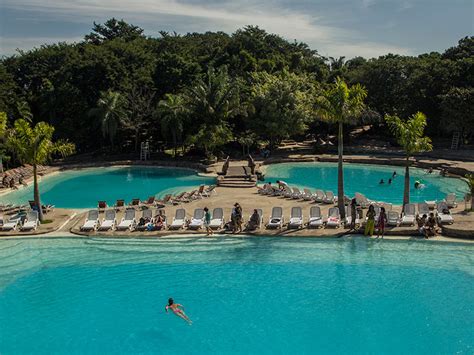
column 367, row 28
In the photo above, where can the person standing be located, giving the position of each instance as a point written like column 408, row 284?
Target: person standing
column 370, row 225
column 382, row 221
column 353, row 213
column 207, row 221
column 237, row 218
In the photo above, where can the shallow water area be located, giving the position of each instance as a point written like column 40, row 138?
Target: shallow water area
column 83, row 188
column 245, row 295
column 366, row 178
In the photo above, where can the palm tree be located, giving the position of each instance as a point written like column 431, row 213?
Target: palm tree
column 470, row 183
column 110, row 112
column 171, row 111
column 3, row 131
column 34, row 145
column 409, row 134
column 340, row 104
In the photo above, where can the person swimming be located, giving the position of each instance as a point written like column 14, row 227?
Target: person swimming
column 419, row 185
column 175, row 307
column 389, row 181
column 394, row 174
column 381, row 181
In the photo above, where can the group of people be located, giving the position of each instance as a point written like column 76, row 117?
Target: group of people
column 427, row 225
column 236, row 220
column 152, row 224
column 394, row 175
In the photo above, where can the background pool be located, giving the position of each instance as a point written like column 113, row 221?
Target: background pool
column 83, row 188
column 254, row 295
column 365, row 179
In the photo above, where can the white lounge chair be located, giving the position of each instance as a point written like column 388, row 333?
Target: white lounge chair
column 349, row 217
column 423, row 208
column 260, row 222
column 217, row 221
column 109, row 221
column 362, row 201
column 315, row 219
column 408, row 215
column 297, row 194
column 276, row 220
column 334, row 218
column 179, row 219
column 296, row 218
column 307, row 195
column 92, row 221
column 128, row 221
column 146, row 215
column 198, row 219
column 12, row 223
column 288, row 192
column 392, row 218
column 451, row 200
column 330, row 198
column 320, row 196
column 161, row 212
column 444, row 216
column 31, row 221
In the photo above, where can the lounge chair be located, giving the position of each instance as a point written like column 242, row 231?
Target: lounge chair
column 296, row 218
column 101, row 206
column 179, row 219
column 92, row 221
column 288, row 192
column 350, row 217
column 451, row 200
column 260, row 221
column 297, row 194
column 201, row 192
column 31, row 222
column 334, row 218
column 128, row 221
column 408, row 215
column 109, row 221
column 320, row 196
column 142, row 223
column 307, row 195
column 444, row 216
column 330, row 198
column 197, row 221
column 161, row 212
column 211, row 189
column 315, row 219
column 12, row 223
column 362, row 201
column 423, row 208
column 392, row 218
column 135, row 202
column 217, row 221
column 276, row 220
column 149, row 202
column 119, row 204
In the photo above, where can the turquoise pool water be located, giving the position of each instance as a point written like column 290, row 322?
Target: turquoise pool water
column 83, row 188
column 245, row 295
column 365, row 179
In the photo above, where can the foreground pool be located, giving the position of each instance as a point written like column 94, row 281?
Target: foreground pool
column 365, row 179
column 83, row 188
column 249, row 295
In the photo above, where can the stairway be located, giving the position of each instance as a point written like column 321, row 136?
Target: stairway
column 455, row 141
column 238, row 177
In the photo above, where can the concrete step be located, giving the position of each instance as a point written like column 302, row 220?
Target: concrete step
column 237, row 184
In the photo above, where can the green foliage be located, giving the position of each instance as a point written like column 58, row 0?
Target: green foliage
column 410, row 133
column 470, row 183
column 113, row 29
column 172, row 112
column 457, row 106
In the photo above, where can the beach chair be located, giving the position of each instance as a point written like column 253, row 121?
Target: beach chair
column 147, row 215
column 329, row 198
column 101, row 206
column 12, row 223
column 297, row 194
column 109, row 221
column 350, row 217
column 31, row 222
column 161, row 212
column 217, row 221
column 92, row 221
column 307, row 195
column 288, row 192
column 150, row 201
column 451, row 200
column 315, row 219
column 296, row 218
column 423, row 208
column 362, row 201
column 135, row 202
column 260, row 222
column 408, row 215
column 276, row 220
column 320, row 196
column 211, row 189
column 334, row 218
column 128, row 221
column 444, row 216
column 119, row 204
column 167, row 200
column 201, row 192
column 179, row 219
column 197, row 221
column 392, row 218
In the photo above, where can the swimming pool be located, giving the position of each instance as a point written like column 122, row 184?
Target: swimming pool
column 83, row 188
column 245, row 295
column 365, row 179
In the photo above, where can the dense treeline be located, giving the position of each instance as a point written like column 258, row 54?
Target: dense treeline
column 118, row 88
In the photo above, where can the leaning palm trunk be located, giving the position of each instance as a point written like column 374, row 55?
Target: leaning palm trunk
column 406, row 192
column 36, row 193
column 340, row 174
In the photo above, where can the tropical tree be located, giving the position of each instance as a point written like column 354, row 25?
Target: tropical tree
column 34, row 145
column 470, row 183
column 110, row 112
column 410, row 135
column 3, row 131
column 172, row 114
column 340, row 104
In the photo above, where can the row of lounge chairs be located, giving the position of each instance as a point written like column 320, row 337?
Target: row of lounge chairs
column 409, row 214
column 128, row 222
column 23, row 172
column 27, row 222
column 296, row 194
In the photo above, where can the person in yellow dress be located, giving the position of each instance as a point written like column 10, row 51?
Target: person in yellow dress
column 370, row 225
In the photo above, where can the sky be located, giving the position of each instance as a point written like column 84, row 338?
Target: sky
column 349, row 28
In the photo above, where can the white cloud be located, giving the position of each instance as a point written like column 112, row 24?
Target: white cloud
column 11, row 45
column 228, row 17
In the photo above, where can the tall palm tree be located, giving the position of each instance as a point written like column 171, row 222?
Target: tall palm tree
column 339, row 104
column 470, row 184
column 3, row 132
column 409, row 134
column 110, row 113
column 34, row 145
column 171, row 111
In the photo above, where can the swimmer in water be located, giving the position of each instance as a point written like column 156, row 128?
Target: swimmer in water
column 382, row 182
column 394, row 174
column 175, row 307
column 389, row 181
